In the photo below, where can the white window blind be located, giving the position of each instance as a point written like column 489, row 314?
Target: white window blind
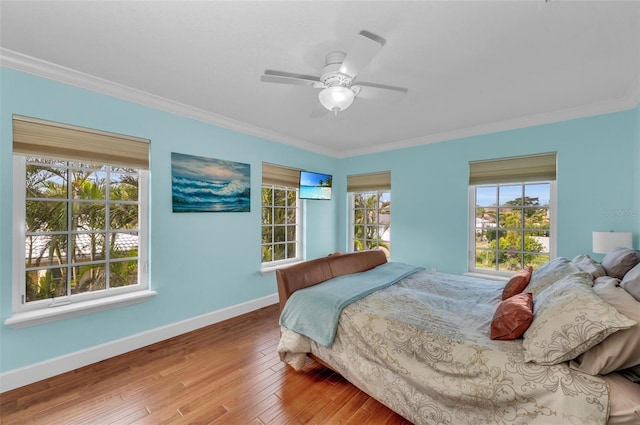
column 38, row 137
column 540, row 167
column 368, row 182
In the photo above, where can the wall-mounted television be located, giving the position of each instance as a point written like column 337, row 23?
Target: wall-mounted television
column 315, row 185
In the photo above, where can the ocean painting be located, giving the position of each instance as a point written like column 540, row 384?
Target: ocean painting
column 200, row 184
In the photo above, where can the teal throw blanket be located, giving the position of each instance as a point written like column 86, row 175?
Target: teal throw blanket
column 314, row 311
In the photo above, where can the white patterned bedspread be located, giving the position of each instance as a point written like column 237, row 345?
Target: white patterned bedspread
column 422, row 348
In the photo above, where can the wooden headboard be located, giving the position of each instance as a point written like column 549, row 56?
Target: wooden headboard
column 312, row 272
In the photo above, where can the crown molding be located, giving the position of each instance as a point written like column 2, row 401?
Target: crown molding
column 30, row 65
column 630, row 101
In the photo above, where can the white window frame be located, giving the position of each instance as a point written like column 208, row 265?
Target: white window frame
column 351, row 238
column 44, row 311
column 472, row 225
column 299, row 242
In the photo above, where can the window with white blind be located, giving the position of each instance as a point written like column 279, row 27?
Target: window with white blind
column 80, row 206
column 512, row 213
column 370, row 211
column 281, row 216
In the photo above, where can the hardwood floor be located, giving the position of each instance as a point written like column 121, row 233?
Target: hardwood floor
column 227, row 373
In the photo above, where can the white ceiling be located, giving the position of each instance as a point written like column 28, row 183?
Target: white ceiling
column 471, row 67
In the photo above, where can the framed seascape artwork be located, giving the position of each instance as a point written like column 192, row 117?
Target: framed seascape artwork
column 200, row 184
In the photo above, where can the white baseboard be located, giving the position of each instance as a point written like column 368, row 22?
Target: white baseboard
column 48, row 368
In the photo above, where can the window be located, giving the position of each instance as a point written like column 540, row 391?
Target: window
column 80, row 215
column 281, row 216
column 370, row 212
column 511, row 220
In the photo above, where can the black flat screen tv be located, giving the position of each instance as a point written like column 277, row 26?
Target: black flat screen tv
column 315, row 185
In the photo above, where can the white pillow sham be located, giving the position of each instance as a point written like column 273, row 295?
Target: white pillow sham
column 569, row 318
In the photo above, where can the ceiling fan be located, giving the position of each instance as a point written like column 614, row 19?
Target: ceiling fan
column 338, row 77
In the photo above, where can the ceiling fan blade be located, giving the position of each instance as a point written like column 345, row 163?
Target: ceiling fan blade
column 367, row 45
column 380, row 92
column 271, row 76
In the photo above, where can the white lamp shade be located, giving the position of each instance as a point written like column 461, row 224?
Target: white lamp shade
column 605, row 242
column 336, row 98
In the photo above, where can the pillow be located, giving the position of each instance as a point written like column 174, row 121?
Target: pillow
column 517, row 283
column 569, row 318
column 550, row 272
column 632, row 374
column 606, row 280
column 624, row 400
column 619, row 261
column 512, row 317
column 620, row 350
column 588, row 265
column 631, row 282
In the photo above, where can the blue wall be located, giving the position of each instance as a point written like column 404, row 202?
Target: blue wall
column 204, row 262
column 597, row 186
column 200, row 262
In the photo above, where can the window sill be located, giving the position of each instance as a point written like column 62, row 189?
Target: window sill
column 51, row 314
column 489, row 276
column 271, row 269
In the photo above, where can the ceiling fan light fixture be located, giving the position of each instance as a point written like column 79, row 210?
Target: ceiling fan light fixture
column 336, row 98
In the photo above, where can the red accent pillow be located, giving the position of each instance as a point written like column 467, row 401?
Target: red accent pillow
column 512, row 317
column 517, row 283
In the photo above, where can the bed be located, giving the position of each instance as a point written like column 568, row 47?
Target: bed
column 420, row 342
